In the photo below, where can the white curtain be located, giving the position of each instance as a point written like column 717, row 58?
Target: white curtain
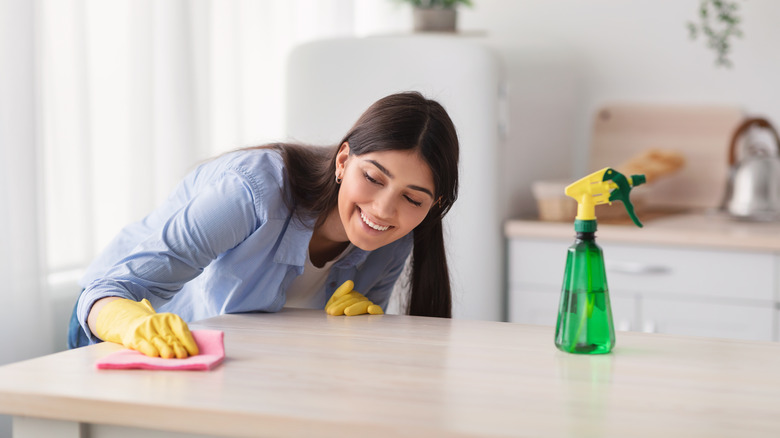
column 24, row 313
column 106, row 104
column 136, row 92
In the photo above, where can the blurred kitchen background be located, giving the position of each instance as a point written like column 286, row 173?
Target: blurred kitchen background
column 106, row 104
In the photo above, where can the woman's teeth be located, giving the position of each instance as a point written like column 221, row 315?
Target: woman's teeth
column 371, row 224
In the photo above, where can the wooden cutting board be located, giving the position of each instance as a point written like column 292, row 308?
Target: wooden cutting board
column 701, row 133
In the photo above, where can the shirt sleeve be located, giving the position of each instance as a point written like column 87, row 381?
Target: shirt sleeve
column 216, row 219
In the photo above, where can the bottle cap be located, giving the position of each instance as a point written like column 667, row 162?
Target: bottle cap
column 584, row 226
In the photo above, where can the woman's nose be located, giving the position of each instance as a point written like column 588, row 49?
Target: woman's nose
column 385, row 205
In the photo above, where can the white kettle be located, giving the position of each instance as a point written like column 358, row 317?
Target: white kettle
column 753, row 190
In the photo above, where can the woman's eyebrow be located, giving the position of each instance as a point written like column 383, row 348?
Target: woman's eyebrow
column 384, row 170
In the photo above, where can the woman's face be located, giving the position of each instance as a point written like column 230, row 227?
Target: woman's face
column 383, row 195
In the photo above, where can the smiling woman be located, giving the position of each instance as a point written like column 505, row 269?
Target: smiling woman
column 395, row 174
column 248, row 230
column 377, row 206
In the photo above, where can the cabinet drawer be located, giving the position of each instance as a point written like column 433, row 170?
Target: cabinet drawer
column 653, row 270
column 625, row 312
column 537, row 262
column 540, row 307
column 533, row 307
column 689, row 272
column 708, row 319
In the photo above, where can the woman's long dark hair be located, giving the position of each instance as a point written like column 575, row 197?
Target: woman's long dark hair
column 403, row 121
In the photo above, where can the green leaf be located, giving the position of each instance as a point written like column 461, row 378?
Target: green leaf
column 718, row 23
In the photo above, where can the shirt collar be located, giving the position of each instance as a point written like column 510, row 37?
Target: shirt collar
column 356, row 257
column 294, row 245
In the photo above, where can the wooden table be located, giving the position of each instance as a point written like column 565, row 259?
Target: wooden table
column 302, row 373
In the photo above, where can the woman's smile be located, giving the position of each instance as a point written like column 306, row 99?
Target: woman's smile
column 371, row 223
column 384, row 195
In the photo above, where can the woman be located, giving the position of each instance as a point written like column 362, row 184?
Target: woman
column 260, row 227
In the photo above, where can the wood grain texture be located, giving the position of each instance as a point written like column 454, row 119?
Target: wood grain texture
column 304, row 373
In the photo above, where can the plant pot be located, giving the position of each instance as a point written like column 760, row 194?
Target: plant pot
column 435, row 19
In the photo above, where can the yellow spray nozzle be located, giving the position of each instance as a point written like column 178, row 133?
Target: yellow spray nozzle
column 603, row 187
column 589, row 192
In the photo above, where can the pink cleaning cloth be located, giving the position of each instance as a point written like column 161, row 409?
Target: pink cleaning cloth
column 210, row 344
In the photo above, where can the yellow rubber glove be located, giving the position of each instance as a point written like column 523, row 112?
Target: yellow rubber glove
column 346, row 301
column 137, row 326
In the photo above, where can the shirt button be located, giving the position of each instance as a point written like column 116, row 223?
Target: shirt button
column 332, row 284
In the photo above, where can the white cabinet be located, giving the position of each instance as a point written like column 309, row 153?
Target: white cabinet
column 660, row 289
column 701, row 318
column 777, row 324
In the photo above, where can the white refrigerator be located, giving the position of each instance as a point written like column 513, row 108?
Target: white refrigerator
column 331, row 82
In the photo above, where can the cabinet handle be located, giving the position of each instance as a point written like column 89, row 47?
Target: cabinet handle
column 634, row 268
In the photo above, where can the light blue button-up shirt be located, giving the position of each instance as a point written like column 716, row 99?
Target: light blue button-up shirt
column 226, row 241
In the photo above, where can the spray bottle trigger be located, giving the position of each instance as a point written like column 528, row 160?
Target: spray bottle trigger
column 621, row 193
column 630, row 209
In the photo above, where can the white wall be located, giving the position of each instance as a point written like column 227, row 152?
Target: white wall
column 566, row 57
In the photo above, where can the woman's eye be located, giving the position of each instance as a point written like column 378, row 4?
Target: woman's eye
column 415, row 203
column 368, row 177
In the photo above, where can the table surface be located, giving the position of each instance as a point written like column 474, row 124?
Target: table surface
column 304, row 373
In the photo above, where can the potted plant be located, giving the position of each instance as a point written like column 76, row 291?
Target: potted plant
column 718, row 22
column 436, row 15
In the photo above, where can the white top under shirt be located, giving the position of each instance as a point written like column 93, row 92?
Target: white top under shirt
column 302, row 290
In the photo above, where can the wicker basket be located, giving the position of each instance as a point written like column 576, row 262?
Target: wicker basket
column 552, row 203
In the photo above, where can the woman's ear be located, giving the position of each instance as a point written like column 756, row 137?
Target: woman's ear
column 341, row 159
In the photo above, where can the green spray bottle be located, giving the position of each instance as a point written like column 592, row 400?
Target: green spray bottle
column 584, row 313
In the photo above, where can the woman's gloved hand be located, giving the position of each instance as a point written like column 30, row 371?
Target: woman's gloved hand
column 137, row 326
column 346, row 301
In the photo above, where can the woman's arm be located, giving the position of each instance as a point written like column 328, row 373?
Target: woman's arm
column 96, row 308
column 213, row 221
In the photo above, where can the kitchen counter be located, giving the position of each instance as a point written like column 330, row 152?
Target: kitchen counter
column 697, row 229
column 304, row 373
